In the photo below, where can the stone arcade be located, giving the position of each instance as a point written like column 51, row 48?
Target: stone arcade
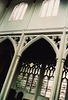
column 34, row 49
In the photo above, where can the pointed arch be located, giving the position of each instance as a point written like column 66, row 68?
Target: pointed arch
column 11, row 40
column 7, row 50
column 35, row 55
column 38, row 38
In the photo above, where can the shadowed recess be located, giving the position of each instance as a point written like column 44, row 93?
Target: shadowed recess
column 6, row 55
column 66, row 61
column 40, row 51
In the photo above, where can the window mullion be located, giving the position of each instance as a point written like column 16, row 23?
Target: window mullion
column 39, row 83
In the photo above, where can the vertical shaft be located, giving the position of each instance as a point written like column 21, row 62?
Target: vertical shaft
column 58, row 66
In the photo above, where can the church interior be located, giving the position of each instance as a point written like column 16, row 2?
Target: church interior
column 33, row 49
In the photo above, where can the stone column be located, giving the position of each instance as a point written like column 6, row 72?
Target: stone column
column 11, row 77
column 14, row 63
column 11, row 72
column 58, row 67
column 59, row 79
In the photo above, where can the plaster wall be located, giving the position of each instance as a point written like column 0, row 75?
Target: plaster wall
column 7, row 25
column 58, row 21
column 34, row 21
column 3, row 4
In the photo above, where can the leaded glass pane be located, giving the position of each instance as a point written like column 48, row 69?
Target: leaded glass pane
column 29, row 83
column 34, row 84
column 23, row 81
column 47, row 81
column 50, row 83
column 63, row 90
column 44, row 85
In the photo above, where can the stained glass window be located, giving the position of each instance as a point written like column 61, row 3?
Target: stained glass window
column 29, row 83
column 18, row 12
column 28, row 77
column 63, row 90
column 64, row 84
column 50, row 83
column 44, row 86
column 34, row 84
column 47, row 81
column 49, row 8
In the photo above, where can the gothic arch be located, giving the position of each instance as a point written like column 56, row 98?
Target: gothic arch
column 38, row 38
column 6, row 54
column 33, row 61
column 11, row 40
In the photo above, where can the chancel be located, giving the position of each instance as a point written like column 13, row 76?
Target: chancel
column 33, row 49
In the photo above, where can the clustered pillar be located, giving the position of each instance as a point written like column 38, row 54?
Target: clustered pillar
column 59, row 68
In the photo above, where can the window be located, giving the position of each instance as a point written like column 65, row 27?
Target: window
column 63, row 90
column 18, row 12
column 49, row 88
column 44, row 86
column 47, row 81
column 28, row 77
column 34, row 84
column 64, row 84
column 49, row 8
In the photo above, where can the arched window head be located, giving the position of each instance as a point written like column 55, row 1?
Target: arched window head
column 18, row 12
column 49, row 8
